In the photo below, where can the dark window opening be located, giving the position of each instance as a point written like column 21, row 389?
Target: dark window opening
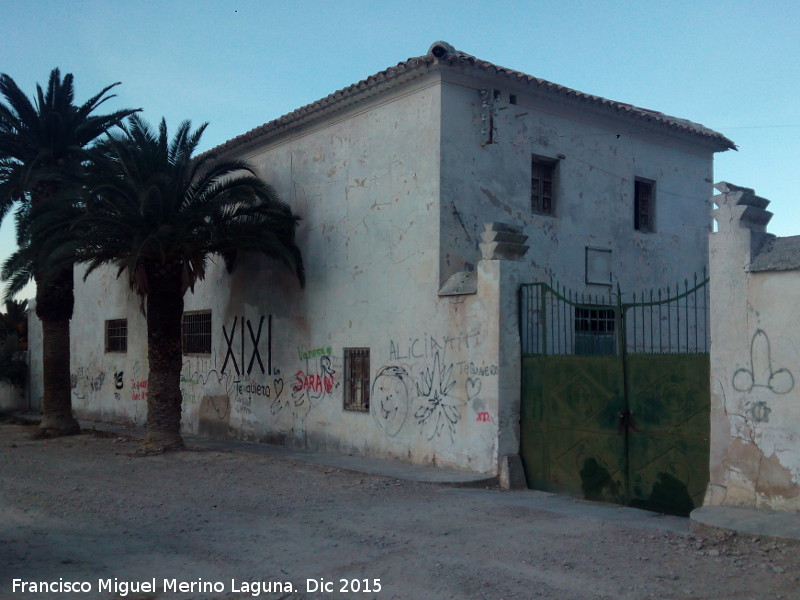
column 117, row 335
column 542, row 189
column 356, row 379
column 196, row 332
column 643, row 205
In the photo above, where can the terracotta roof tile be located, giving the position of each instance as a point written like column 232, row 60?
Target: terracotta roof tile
column 443, row 53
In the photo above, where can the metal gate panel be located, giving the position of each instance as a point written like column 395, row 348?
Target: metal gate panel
column 668, row 441
column 570, row 438
column 630, row 426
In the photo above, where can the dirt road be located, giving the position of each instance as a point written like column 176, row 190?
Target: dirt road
column 85, row 518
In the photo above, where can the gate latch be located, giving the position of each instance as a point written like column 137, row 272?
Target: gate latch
column 627, row 420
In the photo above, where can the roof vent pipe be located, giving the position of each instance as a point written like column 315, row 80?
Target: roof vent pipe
column 441, row 50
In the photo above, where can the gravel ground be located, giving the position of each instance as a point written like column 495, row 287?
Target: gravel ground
column 87, row 510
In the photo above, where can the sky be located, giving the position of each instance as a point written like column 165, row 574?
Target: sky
column 733, row 66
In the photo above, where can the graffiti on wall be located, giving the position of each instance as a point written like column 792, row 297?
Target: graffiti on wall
column 315, row 383
column 86, row 381
column 762, row 371
column 138, row 384
column 439, row 410
column 250, row 379
column 390, row 398
column 758, row 411
column 244, row 342
column 427, row 346
column 436, row 390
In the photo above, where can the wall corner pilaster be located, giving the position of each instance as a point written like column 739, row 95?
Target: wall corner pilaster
column 500, row 274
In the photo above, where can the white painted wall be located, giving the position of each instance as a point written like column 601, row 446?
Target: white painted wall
column 376, row 185
column 35, row 379
column 755, row 380
column 598, row 160
column 368, row 195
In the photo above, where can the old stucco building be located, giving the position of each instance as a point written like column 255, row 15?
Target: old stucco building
column 404, row 343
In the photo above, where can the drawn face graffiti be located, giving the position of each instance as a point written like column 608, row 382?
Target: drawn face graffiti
column 390, row 400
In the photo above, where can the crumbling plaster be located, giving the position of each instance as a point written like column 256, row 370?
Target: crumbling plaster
column 755, row 353
column 394, row 191
column 366, row 186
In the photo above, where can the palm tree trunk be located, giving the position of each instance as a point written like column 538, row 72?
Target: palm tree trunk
column 164, row 316
column 54, row 302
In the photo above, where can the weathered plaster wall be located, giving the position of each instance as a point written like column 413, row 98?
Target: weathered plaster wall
column 755, row 364
column 107, row 386
column 12, row 397
column 367, row 187
column 487, row 145
column 394, row 192
column 35, row 379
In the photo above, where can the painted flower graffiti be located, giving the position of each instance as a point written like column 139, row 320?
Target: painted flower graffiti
column 439, row 410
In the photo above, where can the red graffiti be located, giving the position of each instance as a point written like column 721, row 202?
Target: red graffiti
column 483, row 417
column 139, row 389
column 313, row 383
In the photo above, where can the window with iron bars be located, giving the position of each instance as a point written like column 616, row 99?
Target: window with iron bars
column 356, row 379
column 117, row 335
column 196, row 332
column 595, row 331
column 643, row 205
column 542, row 186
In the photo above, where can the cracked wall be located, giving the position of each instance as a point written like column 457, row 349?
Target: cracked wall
column 442, row 380
column 597, row 160
column 755, row 364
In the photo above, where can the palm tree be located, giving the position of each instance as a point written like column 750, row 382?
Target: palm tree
column 43, row 145
column 162, row 215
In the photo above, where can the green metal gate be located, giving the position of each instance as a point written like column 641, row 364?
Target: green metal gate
column 615, row 395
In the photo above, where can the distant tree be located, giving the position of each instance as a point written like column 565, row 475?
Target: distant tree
column 44, row 144
column 13, row 341
column 160, row 215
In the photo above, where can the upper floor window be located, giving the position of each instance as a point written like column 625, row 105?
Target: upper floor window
column 196, row 332
column 644, row 205
column 117, row 335
column 542, row 186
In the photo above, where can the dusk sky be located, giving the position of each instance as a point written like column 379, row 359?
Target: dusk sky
column 733, row 66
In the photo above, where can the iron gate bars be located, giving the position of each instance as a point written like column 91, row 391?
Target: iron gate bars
column 557, row 321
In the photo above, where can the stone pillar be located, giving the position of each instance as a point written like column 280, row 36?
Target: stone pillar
column 499, row 277
column 741, row 221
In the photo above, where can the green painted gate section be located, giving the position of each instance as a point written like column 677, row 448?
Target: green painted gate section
column 570, row 442
column 630, row 426
column 668, row 450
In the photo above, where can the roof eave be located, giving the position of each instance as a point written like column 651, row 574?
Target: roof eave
column 443, row 55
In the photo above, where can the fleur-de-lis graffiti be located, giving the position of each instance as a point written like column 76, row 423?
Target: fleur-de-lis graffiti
column 762, row 373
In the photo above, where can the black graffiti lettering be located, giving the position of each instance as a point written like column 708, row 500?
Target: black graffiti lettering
column 255, row 338
column 269, row 346
column 229, row 353
column 244, row 365
column 241, row 356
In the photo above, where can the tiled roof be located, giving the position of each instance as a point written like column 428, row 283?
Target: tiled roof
column 778, row 254
column 442, row 53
